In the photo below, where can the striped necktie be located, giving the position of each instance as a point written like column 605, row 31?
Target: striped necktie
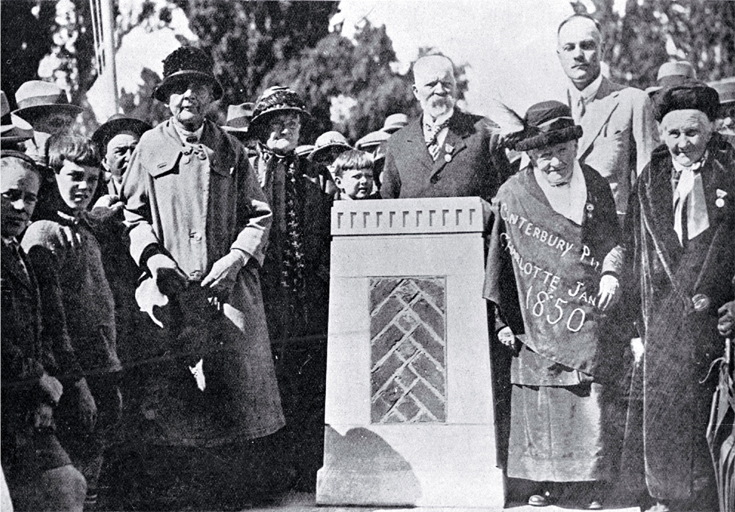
column 431, row 134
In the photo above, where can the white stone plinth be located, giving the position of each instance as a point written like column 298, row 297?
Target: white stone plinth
column 409, row 409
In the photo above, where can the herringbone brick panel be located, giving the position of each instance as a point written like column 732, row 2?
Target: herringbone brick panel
column 408, row 349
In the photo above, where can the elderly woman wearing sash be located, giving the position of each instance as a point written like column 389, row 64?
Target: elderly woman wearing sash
column 552, row 271
column 681, row 227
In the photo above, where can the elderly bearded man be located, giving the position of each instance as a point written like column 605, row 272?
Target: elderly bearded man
column 619, row 129
column 199, row 224
column 446, row 152
column 552, row 270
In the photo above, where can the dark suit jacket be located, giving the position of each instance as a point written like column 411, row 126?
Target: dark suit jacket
column 34, row 342
column 471, row 161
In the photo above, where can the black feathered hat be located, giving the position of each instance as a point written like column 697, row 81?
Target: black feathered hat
column 547, row 123
column 185, row 64
column 276, row 100
column 689, row 95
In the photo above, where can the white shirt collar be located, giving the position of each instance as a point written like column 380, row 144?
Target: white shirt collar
column 588, row 93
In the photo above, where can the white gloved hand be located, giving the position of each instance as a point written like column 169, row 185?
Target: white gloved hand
column 224, row 272
column 607, row 295
column 638, row 349
column 506, row 337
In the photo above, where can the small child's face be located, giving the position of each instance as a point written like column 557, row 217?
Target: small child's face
column 356, row 183
column 77, row 184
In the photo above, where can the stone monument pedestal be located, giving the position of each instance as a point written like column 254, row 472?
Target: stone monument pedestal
column 409, row 406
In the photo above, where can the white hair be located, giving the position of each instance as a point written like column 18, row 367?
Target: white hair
column 706, row 126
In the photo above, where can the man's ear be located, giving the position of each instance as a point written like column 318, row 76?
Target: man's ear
column 338, row 181
column 415, row 91
column 105, row 166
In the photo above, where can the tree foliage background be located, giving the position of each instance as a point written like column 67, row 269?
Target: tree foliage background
column 652, row 32
column 349, row 84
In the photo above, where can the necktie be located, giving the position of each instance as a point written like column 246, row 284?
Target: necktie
column 18, row 261
column 431, row 133
column 690, row 210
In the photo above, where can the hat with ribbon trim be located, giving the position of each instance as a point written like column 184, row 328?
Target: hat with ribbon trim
column 277, row 100
column 36, row 98
column 547, row 123
column 13, row 129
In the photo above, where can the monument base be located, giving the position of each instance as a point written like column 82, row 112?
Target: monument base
column 410, row 466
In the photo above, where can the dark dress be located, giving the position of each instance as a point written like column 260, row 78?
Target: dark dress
column 543, row 272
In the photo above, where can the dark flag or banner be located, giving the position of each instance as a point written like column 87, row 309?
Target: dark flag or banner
column 721, row 431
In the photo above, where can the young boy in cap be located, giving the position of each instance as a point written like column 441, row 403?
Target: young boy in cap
column 35, row 351
column 62, row 240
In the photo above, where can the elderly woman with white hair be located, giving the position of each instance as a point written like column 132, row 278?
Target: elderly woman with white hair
column 681, row 224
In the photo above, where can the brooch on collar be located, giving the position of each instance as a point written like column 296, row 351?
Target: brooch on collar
column 720, row 201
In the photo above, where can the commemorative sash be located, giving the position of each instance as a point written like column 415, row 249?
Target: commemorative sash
column 556, row 274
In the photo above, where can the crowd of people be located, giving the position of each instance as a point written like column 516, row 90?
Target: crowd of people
column 148, row 272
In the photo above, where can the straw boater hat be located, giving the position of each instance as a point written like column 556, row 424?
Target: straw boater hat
column 304, row 149
column 184, row 65
column 690, row 95
column 13, row 129
column 276, row 100
column 394, row 122
column 372, row 140
column 36, row 98
column 329, row 140
column 116, row 124
column 726, row 90
column 238, row 118
column 547, row 123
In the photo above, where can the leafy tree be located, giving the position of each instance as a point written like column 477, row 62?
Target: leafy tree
column 247, row 39
column 702, row 32
column 359, row 73
column 26, row 37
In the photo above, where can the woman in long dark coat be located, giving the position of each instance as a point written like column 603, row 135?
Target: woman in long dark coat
column 681, row 229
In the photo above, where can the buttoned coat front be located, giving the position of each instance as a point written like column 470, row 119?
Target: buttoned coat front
column 197, row 203
column 471, row 162
column 618, row 135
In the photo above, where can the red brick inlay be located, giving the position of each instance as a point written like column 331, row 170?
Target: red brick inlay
column 408, row 348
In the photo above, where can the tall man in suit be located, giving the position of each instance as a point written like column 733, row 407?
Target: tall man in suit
column 619, row 130
column 445, row 152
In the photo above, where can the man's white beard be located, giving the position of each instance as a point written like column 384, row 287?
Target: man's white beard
column 438, row 107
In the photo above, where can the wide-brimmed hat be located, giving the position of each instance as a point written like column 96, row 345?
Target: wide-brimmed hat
column 372, row 140
column 547, row 123
column 13, row 129
column 35, row 98
column 690, row 95
column 304, row 149
column 238, row 118
column 394, row 122
column 276, row 100
column 186, row 64
column 671, row 74
column 328, row 140
column 118, row 123
column 725, row 89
